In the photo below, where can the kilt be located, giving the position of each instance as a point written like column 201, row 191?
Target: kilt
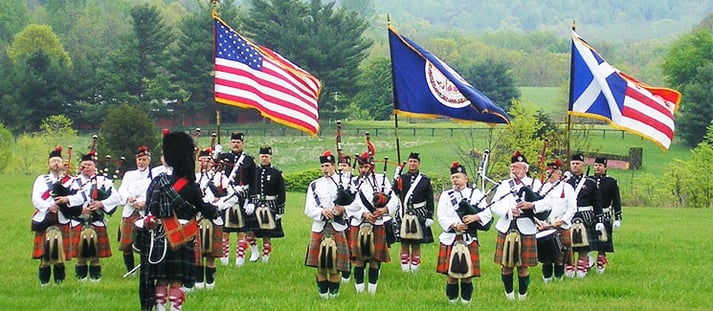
column 251, row 224
column 444, row 252
column 38, row 251
column 381, row 249
column 127, row 232
column 608, row 246
column 274, row 233
column 312, row 257
column 178, row 264
column 103, row 247
column 592, row 236
column 528, row 254
column 427, row 237
column 566, row 258
column 216, row 246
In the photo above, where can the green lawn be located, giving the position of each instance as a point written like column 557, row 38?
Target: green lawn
column 662, row 262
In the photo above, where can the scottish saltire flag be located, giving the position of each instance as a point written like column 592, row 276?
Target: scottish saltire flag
column 426, row 87
column 600, row 91
column 251, row 76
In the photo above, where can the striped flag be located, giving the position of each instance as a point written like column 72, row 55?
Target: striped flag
column 251, row 76
column 600, row 91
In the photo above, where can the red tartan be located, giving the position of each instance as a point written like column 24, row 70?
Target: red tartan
column 566, row 258
column 217, row 245
column 127, row 232
column 381, row 249
column 528, row 250
column 39, row 248
column 444, row 252
column 312, row 257
column 103, row 246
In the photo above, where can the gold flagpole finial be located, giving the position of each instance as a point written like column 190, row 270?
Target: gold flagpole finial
column 574, row 25
column 214, row 5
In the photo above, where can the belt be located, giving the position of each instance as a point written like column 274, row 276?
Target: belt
column 585, row 208
column 419, row 205
column 267, row 197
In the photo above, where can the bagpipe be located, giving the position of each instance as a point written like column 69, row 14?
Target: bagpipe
column 344, row 195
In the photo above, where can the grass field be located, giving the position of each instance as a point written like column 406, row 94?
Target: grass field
column 663, row 262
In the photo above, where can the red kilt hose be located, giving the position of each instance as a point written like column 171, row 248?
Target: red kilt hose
column 444, row 254
column 566, row 258
column 528, row 254
column 381, row 249
column 127, row 232
column 103, row 247
column 38, row 250
column 312, row 257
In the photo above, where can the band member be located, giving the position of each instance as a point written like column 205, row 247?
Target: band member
column 95, row 196
column 416, row 194
column 589, row 210
column 461, row 211
column 240, row 169
column 133, row 197
column 328, row 250
column 50, row 248
column 269, row 201
column 559, row 197
column 212, row 183
column 611, row 202
column 344, row 167
column 367, row 233
column 169, row 228
column 516, row 245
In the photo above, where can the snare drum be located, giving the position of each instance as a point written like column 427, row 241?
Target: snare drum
column 549, row 245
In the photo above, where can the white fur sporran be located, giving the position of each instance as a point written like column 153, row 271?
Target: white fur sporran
column 410, row 227
column 459, row 264
column 265, row 219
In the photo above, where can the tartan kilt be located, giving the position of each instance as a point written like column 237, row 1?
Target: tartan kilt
column 381, row 249
column 274, row 233
column 312, row 257
column 444, row 252
column 566, row 258
column 216, row 246
column 127, row 232
column 103, row 246
column 179, row 264
column 251, row 224
column 528, row 254
column 38, row 251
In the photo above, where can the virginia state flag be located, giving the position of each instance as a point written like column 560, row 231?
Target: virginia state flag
column 600, row 91
column 426, row 87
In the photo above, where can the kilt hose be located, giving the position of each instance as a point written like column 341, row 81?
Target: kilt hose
column 381, row 249
column 528, row 253
column 444, row 254
column 127, row 232
column 38, row 251
column 102, row 241
column 312, row 257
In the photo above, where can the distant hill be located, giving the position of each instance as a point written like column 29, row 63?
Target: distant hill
column 615, row 21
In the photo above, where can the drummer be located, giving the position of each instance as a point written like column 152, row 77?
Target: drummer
column 559, row 196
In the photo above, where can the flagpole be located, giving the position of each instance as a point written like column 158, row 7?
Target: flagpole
column 393, row 93
column 569, row 117
column 214, row 14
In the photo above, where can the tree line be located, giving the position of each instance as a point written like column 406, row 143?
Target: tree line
column 81, row 58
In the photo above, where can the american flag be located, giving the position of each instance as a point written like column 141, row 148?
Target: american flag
column 601, row 91
column 250, row 76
